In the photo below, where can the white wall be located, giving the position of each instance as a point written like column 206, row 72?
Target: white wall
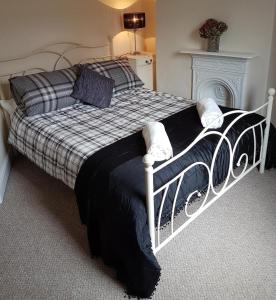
column 272, row 73
column 149, row 7
column 26, row 25
column 250, row 30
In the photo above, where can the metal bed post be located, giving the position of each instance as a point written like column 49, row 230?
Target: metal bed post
column 148, row 163
column 271, row 93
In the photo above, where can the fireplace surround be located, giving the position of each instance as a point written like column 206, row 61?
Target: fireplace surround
column 220, row 75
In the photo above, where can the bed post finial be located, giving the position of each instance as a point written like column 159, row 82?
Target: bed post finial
column 110, row 46
column 148, row 161
column 271, row 94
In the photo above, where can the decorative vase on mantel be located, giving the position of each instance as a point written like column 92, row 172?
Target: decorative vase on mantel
column 213, row 44
column 212, row 30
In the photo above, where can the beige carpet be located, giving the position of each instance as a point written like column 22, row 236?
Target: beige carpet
column 229, row 252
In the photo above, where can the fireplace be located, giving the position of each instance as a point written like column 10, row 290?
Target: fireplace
column 216, row 89
column 221, row 76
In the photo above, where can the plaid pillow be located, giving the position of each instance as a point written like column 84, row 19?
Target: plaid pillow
column 44, row 92
column 120, row 71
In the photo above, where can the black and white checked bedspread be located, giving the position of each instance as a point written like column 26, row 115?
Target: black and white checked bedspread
column 60, row 141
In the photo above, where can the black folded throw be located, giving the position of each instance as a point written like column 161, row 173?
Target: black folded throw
column 111, row 196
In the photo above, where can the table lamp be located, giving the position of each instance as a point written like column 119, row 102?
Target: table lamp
column 134, row 21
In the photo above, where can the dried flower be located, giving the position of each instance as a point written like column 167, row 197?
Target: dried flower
column 212, row 28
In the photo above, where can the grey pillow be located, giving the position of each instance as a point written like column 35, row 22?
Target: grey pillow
column 119, row 70
column 93, row 88
column 44, row 92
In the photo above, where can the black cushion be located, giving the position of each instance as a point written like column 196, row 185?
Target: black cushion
column 93, row 88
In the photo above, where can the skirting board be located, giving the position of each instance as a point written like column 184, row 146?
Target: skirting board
column 4, row 176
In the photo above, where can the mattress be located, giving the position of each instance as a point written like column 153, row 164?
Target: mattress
column 60, row 142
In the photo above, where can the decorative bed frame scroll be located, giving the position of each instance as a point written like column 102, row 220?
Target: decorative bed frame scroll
column 211, row 194
column 59, row 55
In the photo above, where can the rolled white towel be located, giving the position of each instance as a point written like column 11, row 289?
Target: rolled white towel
column 209, row 113
column 157, row 141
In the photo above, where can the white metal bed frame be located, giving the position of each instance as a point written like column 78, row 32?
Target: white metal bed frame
column 60, row 53
column 150, row 171
column 210, row 195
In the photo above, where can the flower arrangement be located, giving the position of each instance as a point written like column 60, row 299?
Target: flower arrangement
column 212, row 28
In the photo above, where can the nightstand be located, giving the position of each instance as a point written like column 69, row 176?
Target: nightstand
column 142, row 64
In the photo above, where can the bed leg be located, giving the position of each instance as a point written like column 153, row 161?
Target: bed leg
column 148, row 163
column 271, row 93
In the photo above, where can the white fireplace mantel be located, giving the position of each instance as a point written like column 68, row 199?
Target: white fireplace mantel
column 242, row 55
column 220, row 75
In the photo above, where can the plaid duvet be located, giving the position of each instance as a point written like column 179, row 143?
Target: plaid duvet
column 60, row 141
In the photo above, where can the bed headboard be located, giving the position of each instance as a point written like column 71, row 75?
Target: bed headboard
column 49, row 58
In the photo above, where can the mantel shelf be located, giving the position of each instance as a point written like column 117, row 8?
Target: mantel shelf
column 218, row 54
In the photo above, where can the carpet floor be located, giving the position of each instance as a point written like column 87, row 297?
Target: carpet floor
column 229, row 252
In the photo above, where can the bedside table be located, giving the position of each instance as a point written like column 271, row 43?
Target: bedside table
column 142, row 65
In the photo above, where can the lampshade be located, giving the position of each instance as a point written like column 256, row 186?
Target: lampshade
column 134, row 20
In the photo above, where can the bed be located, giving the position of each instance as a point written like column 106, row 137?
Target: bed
column 125, row 198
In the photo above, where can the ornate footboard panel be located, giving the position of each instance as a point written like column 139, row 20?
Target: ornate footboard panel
column 245, row 161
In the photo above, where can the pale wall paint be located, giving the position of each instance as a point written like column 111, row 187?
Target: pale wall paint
column 30, row 24
column 149, row 7
column 272, row 73
column 250, row 30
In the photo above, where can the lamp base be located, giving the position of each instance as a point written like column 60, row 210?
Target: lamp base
column 135, row 52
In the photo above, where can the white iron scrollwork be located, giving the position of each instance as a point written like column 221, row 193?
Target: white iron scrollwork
column 210, row 193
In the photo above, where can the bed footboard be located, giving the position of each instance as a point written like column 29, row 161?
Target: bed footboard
column 210, row 194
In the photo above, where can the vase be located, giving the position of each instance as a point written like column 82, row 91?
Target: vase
column 213, row 44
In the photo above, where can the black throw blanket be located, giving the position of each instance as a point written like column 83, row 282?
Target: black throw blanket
column 111, row 195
